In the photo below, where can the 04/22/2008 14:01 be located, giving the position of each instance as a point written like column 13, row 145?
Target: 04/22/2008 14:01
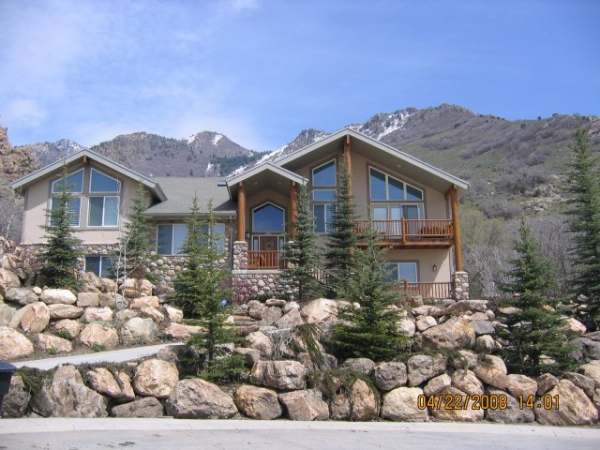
column 485, row 401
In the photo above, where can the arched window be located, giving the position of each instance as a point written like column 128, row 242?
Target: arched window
column 268, row 219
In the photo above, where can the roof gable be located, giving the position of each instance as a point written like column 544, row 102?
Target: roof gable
column 266, row 166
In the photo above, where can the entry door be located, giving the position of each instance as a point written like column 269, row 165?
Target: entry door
column 268, row 243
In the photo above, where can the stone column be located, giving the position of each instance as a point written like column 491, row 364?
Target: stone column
column 461, row 285
column 240, row 255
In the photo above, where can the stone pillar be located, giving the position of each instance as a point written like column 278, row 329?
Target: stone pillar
column 461, row 285
column 240, row 255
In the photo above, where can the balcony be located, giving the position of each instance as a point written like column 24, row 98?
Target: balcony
column 426, row 290
column 266, row 259
column 410, row 232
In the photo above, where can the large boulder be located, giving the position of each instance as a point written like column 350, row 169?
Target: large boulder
column 454, row 333
column 464, row 306
column 53, row 344
column 261, row 342
column 257, row 403
column 155, row 378
column 284, row 375
column 291, row 319
column 545, row 382
column 575, row 408
column 437, row 384
column 8, row 279
column 138, row 331
column 144, row 407
column 15, row 402
column 195, row 398
column 456, row 414
column 467, row 381
column 363, row 366
column 6, row 314
column 513, row 413
column 173, row 314
column 90, row 282
column 59, row 311
column 402, row 404
column 305, row 405
column 390, row 375
column 364, row 403
column 99, row 336
column 153, row 313
column 54, row 296
column 181, row 332
column 592, row 370
column 406, row 326
column 521, row 385
column 103, row 381
column 136, row 287
column 88, row 299
column 34, row 318
column 67, row 396
column 92, row 314
column 492, row 370
column 68, row 328
column 423, row 367
column 21, row 295
column 150, row 301
column 13, row 345
column 321, row 310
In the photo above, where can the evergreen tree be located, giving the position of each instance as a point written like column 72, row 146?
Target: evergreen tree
column 536, row 334
column 61, row 253
column 371, row 330
column 342, row 239
column 135, row 245
column 584, row 212
column 199, row 288
column 301, row 252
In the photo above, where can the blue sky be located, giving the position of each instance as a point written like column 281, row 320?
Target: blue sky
column 260, row 71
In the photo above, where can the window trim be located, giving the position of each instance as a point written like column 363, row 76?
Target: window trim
column 387, row 193
column 82, row 169
column 268, row 202
column 103, row 197
column 406, row 261
column 92, row 170
column 49, row 222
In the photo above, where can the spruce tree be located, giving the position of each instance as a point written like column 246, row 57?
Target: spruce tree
column 536, row 334
column 200, row 287
column 135, row 245
column 369, row 331
column 584, row 212
column 301, row 252
column 342, row 239
column 60, row 257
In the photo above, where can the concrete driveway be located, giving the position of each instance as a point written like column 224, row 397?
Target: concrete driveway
column 173, row 434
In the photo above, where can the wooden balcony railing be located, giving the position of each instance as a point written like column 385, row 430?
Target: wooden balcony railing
column 266, row 259
column 426, row 290
column 408, row 229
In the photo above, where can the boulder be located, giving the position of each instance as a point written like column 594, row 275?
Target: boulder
column 454, row 333
column 339, row 407
column 6, row 314
column 181, row 332
column 125, row 314
column 290, row 319
column 363, row 366
column 512, row 413
column 587, row 384
column 88, row 299
column 68, row 328
column 33, row 318
column 289, row 306
column 401, row 405
column 155, row 378
column 275, row 302
column 425, row 322
column 575, row 326
column 90, row 282
column 305, row 405
column 103, row 381
column 8, row 279
column 113, row 300
column 592, row 370
column 53, row 344
column 390, row 375
column 467, row 381
column 144, row 302
column 463, row 306
column 587, row 349
column 257, row 403
column 364, row 403
column 406, row 326
column 321, row 310
column 138, row 331
column 60, row 311
column 194, row 398
column 545, row 382
column 270, row 315
column 96, row 335
column 521, row 385
column 261, row 342
column 437, row 384
column 21, row 295
column 256, row 309
column 423, row 367
column 575, row 407
column 250, row 355
column 136, row 287
column 482, row 327
column 67, row 396
column 144, row 407
column 464, row 359
column 153, row 313
column 54, row 296
column 492, row 370
column 124, row 381
column 92, row 314
column 284, row 375
column 16, row 400
column 174, row 314
column 485, row 344
column 458, row 414
column 329, row 361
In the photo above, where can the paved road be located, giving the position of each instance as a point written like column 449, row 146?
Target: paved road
column 115, row 356
column 172, row 434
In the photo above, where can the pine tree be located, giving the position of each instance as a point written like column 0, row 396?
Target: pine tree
column 301, row 252
column 536, row 334
column 371, row 330
column 200, row 286
column 584, row 212
column 135, row 252
column 342, row 239
column 60, row 257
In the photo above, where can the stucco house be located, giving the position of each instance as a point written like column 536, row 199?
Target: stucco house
column 412, row 205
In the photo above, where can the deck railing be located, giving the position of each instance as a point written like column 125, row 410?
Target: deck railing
column 266, row 259
column 408, row 229
column 426, row 290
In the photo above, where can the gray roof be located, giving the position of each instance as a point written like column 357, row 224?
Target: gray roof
column 180, row 192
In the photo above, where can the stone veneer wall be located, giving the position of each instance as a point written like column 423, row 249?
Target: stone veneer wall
column 461, row 285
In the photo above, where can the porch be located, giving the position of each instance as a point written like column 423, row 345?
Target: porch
column 410, row 232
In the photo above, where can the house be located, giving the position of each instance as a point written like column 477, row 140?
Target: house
column 412, row 205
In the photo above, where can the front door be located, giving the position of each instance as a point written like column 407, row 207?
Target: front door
column 267, row 243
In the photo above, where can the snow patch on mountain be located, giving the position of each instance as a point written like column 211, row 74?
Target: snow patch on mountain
column 217, row 138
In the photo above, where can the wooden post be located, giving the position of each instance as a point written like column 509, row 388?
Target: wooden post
column 348, row 160
column 455, row 205
column 241, row 213
column 293, row 208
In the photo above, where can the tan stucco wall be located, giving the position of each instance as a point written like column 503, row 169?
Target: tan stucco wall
column 256, row 199
column 37, row 203
column 425, row 259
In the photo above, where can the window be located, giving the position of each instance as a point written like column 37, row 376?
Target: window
column 74, row 210
column 268, row 219
column 386, row 188
column 324, row 184
column 171, row 238
column 103, row 210
column 73, row 184
column 401, row 271
column 100, row 182
column 102, row 266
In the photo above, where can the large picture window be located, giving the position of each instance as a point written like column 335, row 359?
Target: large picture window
column 324, row 188
column 384, row 187
column 400, row 271
column 171, row 238
column 73, row 184
column 268, row 219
